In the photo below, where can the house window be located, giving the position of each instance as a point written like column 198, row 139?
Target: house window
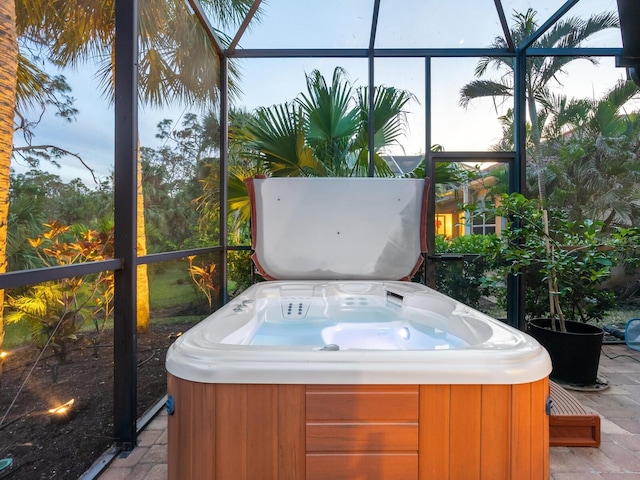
column 481, row 223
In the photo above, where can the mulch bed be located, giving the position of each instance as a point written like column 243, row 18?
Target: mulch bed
column 43, row 446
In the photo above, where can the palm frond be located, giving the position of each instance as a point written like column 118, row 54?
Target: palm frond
column 328, row 111
column 330, row 119
column 231, row 12
column 621, row 93
column 360, row 167
column 278, row 133
column 497, row 62
column 573, row 31
column 482, row 89
column 389, row 116
column 30, row 85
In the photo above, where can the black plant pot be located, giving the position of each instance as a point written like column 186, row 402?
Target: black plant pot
column 575, row 354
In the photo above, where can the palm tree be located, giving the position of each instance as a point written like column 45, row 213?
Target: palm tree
column 323, row 132
column 567, row 33
column 170, row 39
column 22, row 84
column 330, row 121
column 8, row 91
column 389, row 125
column 240, row 167
column 275, row 139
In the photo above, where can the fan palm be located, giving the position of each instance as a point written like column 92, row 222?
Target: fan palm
column 275, row 138
column 389, row 125
column 323, row 132
column 566, row 33
column 330, row 119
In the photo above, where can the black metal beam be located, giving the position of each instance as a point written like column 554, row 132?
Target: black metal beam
column 364, row 52
column 371, row 81
column 224, row 172
column 464, row 156
column 125, row 188
column 299, row 53
column 204, row 22
column 515, row 286
column 374, row 25
column 420, row 52
column 430, row 173
column 518, row 172
column 427, row 108
column 573, row 52
column 629, row 14
column 245, row 23
column 505, row 25
column 530, row 40
column 177, row 255
column 39, row 275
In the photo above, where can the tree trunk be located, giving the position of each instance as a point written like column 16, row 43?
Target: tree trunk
column 536, row 135
column 8, row 80
column 142, row 305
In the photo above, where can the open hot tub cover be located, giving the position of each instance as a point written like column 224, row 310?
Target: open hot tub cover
column 338, row 228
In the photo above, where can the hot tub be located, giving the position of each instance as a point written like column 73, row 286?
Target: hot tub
column 336, row 378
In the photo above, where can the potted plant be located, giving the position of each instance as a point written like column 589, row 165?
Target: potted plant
column 563, row 263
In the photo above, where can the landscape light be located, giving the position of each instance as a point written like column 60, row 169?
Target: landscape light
column 62, row 409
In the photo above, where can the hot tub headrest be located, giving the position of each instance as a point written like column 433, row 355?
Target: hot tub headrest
column 338, row 228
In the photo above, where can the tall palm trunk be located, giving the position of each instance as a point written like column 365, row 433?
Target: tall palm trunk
column 8, row 79
column 536, row 136
column 142, row 304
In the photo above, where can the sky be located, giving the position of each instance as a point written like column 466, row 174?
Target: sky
column 346, row 24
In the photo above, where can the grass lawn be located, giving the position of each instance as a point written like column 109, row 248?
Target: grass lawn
column 16, row 334
column 171, row 286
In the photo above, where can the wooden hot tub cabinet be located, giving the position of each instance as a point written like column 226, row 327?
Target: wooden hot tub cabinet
column 350, row 432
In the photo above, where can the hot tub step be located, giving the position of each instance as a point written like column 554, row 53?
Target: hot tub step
column 570, row 424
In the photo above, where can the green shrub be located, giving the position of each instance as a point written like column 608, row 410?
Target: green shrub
column 460, row 274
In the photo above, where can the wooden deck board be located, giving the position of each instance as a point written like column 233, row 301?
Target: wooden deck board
column 570, row 424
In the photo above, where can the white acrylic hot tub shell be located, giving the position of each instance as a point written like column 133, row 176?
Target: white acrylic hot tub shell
column 497, row 353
